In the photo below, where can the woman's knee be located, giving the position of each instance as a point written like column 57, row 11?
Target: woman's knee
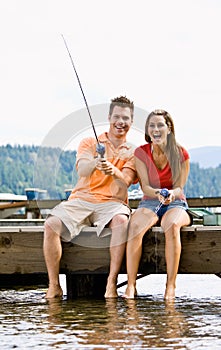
column 136, row 229
column 172, row 232
column 134, row 226
column 141, row 222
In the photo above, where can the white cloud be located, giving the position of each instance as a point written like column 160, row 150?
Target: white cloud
column 162, row 54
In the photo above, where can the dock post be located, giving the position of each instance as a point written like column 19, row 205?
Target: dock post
column 86, row 285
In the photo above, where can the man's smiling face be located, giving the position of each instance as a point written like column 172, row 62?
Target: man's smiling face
column 120, row 121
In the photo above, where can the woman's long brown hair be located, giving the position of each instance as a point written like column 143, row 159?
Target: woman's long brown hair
column 173, row 149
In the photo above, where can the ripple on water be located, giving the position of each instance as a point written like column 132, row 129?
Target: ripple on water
column 28, row 320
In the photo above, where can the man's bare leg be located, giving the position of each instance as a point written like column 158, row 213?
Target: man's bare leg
column 140, row 222
column 117, row 250
column 52, row 252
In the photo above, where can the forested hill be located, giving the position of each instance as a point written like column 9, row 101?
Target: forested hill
column 50, row 169
column 53, row 170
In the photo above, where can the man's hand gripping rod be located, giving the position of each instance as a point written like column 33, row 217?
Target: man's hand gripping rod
column 100, row 147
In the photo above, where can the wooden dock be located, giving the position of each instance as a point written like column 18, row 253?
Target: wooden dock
column 85, row 260
column 87, row 257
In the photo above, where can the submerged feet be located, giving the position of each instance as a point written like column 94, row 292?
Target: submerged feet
column 169, row 293
column 130, row 292
column 54, row 291
column 111, row 289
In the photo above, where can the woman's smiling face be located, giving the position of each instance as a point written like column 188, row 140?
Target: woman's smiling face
column 158, row 129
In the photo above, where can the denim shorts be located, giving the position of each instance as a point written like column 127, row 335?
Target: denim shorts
column 152, row 204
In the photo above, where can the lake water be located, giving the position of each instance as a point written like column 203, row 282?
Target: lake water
column 193, row 321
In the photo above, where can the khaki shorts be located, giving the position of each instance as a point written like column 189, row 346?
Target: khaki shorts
column 76, row 214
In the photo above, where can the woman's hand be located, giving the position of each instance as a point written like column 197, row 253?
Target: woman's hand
column 168, row 199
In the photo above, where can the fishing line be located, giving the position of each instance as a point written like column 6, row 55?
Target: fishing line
column 165, row 193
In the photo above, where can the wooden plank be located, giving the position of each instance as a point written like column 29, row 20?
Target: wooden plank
column 30, row 229
column 87, row 253
column 21, row 251
column 204, row 202
column 42, row 204
column 18, row 204
column 21, row 222
column 81, row 259
column 51, row 203
column 201, row 251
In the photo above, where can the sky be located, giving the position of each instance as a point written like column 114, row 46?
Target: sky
column 159, row 53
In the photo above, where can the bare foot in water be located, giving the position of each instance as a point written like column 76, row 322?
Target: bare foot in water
column 111, row 290
column 169, row 293
column 130, row 292
column 54, row 291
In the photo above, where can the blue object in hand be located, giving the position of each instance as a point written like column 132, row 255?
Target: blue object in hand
column 165, row 193
column 100, row 148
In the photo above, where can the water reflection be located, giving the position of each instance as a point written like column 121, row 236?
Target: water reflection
column 28, row 320
column 146, row 322
column 132, row 324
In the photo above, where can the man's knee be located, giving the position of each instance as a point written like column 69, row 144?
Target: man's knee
column 52, row 226
column 119, row 226
column 119, row 220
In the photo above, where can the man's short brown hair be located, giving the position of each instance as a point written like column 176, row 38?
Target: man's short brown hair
column 122, row 101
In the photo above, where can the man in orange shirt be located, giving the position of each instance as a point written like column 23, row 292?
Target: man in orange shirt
column 99, row 197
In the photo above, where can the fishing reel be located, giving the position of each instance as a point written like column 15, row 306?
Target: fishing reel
column 165, row 192
column 100, row 148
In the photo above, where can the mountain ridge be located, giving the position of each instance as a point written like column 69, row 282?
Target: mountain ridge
column 206, row 156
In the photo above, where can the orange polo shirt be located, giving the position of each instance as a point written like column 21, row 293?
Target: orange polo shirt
column 99, row 187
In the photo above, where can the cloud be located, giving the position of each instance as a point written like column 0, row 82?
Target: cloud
column 162, row 54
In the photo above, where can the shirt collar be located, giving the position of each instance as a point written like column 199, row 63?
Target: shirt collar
column 103, row 138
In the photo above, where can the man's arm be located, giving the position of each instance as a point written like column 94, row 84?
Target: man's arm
column 85, row 167
column 127, row 175
column 86, row 161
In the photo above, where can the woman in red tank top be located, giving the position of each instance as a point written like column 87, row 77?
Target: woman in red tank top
column 160, row 163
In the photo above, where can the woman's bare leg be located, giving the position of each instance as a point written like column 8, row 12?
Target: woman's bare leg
column 172, row 222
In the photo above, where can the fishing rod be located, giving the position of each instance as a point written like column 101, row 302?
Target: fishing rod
column 100, row 147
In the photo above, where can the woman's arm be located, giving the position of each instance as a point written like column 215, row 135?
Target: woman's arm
column 144, row 179
column 149, row 191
